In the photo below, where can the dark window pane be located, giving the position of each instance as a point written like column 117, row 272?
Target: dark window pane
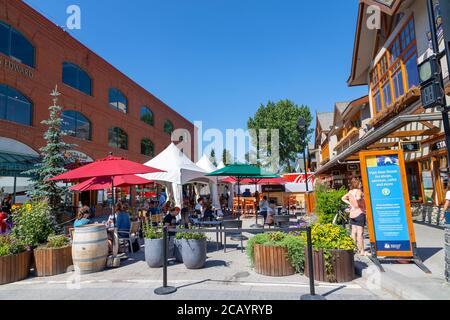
column 70, row 76
column 4, row 39
column 147, row 116
column 77, row 124
column 387, row 94
column 118, row 138
column 117, row 100
column 412, row 71
column 3, row 99
column 22, row 49
column 18, row 108
column 168, row 127
column 84, row 82
column 112, row 138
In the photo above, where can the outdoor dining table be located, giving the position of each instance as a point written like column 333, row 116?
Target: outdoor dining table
column 211, row 224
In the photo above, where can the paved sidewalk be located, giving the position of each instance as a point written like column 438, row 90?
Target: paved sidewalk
column 226, row 276
column 407, row 280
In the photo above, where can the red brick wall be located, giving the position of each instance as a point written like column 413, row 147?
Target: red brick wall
column 53, row 47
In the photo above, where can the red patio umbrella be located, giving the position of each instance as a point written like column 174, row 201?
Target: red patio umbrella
column 101, row 183
column 108, row 167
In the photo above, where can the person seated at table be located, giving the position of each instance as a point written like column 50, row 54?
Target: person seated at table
column 123, row 222
column 185, row 217
column 83, row 217
column 270, row 220
column 209, row 213
column 170, row 221
column 264, row 207
column 153, row 209
column 247, row 193
column 199, row 208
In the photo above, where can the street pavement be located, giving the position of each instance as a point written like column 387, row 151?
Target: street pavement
column 407, row 280
column 226, row 276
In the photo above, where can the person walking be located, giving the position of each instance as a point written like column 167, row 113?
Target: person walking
column 445, row 215
column 355, row 199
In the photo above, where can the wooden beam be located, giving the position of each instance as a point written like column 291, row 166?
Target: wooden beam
column 433, row 138
column 428, row 124
column 414, row 133
column 383, row 145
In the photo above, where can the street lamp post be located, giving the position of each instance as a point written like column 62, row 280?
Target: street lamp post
column 302, row 128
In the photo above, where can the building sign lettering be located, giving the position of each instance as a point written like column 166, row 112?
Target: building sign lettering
column 16, row 67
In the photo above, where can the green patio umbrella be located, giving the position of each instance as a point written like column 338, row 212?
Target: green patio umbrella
column 241, row 172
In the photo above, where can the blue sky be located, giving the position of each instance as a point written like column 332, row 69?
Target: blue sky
column 218, row 60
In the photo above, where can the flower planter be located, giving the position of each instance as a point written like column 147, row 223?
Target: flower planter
column 343, row 263
column 15, row 267
column 154, row 252
column 193, row 253
column 178, row 256
column 50, row 262
column 272, row 261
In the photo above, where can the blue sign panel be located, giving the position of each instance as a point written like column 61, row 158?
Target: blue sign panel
column 388, row 203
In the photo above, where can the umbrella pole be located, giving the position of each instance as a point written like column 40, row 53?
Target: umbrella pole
column 113, row 202
column 239, row 198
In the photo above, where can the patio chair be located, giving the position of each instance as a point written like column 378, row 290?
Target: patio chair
column 234, row 226
column 131, row 235
column 249, row 207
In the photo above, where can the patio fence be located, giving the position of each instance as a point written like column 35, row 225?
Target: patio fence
column 166, row 289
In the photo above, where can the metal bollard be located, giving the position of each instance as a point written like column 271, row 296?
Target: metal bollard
column 312, row 290
column 165, row 289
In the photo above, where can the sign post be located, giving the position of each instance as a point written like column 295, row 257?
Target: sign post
column 388, row 205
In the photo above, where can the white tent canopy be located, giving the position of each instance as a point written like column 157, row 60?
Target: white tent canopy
column 206, row 164
column 179, row 169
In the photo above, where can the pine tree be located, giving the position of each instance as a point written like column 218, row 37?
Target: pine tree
column 53, row 161
column 226, row 157
column 212, row 157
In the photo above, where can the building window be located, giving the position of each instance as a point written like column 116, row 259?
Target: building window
column 147, row 116
column 76, row 125
column 402, row 53
column 398, row 84
column 15, row 45
column 117, row 100
column 118, row 138
column 412, row 71
column 14, row 106
column 168, row 127
column 387, row 94
column 147, row 148
column 76, row 78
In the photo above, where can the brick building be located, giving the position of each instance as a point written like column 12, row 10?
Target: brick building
column 105, row 110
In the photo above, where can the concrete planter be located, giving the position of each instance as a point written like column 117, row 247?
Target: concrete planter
column 178, row 255
column 154, row 252
column 193, row 253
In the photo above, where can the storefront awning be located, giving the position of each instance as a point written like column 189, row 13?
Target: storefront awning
column 374, row 136
column 12, row 164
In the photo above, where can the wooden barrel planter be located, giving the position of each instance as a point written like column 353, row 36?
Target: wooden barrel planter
column 343, row 266
column 15, row 267
column 272, row 261
column 90, row 248
column 50, row 262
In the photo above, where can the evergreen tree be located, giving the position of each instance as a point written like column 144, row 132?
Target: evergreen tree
column 226, row 157
column 53, row 161
column 212, row 157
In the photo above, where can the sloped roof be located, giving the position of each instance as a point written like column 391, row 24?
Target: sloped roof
column 325, row 120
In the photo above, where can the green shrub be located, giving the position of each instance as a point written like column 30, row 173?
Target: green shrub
column 294, row 244
column 190, row 236
column 33, row 224
column 9, row 245
column 328, row 203
column 56, row 242
column 151, row 233
column 330, row 237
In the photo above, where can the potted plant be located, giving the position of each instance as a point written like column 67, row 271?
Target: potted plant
column 193, row 249
column 334, row 253
column 276, row 254
column 33, row 224
column 54, row 257
column 15, row 260
column 154, row 246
